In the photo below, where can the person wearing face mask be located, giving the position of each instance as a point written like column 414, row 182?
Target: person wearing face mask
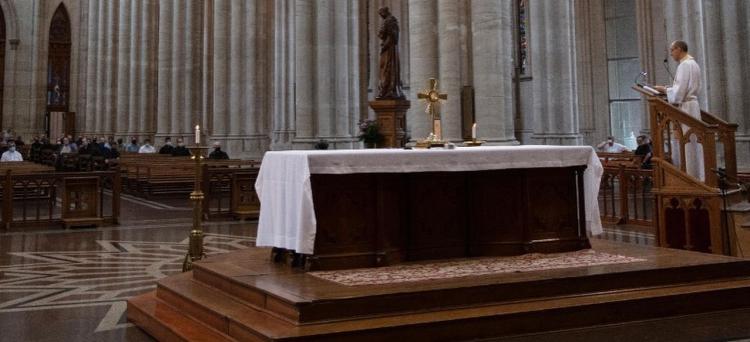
column 168, row 148
column 11, row 155
column 181, row 150
column 217, row 152
column 132, row 146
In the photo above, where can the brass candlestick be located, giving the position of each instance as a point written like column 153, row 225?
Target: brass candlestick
column 195, row 250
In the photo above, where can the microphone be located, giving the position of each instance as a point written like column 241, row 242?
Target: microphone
column 638, row 78
column 666, row 66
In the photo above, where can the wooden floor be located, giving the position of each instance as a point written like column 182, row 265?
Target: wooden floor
column 243, row 296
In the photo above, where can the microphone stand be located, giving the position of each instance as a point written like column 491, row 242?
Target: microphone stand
column 666, row 66
column 725, row 229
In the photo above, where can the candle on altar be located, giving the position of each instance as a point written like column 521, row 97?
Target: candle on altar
column 197, row 134
column 474, row 131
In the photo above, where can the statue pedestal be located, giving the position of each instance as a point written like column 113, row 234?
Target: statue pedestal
column 391, row 116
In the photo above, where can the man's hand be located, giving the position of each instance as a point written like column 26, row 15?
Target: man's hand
column 661, row 89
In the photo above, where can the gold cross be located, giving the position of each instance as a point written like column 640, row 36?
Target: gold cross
column 433, row 96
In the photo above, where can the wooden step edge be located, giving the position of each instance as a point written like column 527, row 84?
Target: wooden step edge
column 245, row 322
column 256, row 298
column 217, row 309
column 506, row 320
column 315, row 311
column 165, row 323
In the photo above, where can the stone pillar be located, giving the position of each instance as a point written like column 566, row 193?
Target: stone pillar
column 124, row 51
column 235, row 66
column 304, row 67
column 491, row 24
column 553, row 57
column 164, row 66
column 221, row 32
column 91, row 80
column 135, row 84
column 176, row 72
column 449, row 65
column 424, row 49
column 283, row 75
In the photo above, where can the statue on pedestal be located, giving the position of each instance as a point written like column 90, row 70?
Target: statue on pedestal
column 390, row 66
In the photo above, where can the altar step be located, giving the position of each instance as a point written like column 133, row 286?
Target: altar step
column 235, row 305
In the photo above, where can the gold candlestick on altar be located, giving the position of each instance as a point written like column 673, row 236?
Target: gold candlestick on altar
column 195, row 250
column 432, row 97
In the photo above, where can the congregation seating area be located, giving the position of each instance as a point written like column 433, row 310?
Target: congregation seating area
column 51, row 188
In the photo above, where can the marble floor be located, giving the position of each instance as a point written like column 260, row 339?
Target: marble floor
column 58, row 285
column 71, row 285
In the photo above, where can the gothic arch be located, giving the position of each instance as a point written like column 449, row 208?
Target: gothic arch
column 58, row 67
column 10, row 22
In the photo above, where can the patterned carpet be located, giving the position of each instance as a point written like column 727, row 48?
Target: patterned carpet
column 471, row 267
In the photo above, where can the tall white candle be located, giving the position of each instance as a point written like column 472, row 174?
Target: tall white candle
column 474, row 131
column 197, row 134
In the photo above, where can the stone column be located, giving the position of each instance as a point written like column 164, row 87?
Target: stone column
column 148, row 68
column 91, row 80
column 731, row 84
column 124, row 36
column 449, row 65
column 136, row 83
column 283, row 105
column 101, row 64
column 553, row 57
column 424, row 64
column 110, row 69
column 165, row 60
column 304, row 67
column 491, row 25
column 235, row 66
column 220, row 83
column 176, row 72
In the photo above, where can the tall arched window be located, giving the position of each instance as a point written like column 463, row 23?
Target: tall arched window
column 58, row 69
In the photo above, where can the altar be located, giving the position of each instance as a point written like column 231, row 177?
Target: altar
column 366, row 208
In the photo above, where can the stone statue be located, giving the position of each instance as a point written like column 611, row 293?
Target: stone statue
column 390, row 65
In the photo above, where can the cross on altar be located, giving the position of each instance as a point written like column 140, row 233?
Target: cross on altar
column 433, row 97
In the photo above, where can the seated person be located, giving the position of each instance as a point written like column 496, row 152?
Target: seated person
column 644, row 150
column 89, row 148
column 181, row 150
column 11, row 154
column 217, row 152
column 67, row 147
column 167, row 148
column 610, row 146
column 132, row 146
column 147, row 148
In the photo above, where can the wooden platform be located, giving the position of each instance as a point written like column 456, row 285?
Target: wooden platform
column 244, row 296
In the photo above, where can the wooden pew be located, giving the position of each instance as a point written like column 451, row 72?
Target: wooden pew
column 150, row 175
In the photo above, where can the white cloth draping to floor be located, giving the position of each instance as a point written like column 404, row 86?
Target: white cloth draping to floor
column 287, row 215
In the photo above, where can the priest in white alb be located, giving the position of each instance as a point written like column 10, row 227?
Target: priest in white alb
column 684, row 93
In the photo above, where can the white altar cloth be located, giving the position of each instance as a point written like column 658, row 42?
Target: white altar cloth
column 287, row 215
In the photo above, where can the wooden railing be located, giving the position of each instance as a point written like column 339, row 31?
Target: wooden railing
column 59, row 198
column 688, row 210
column 625, row 192
column 230, row 192
column 669, row 123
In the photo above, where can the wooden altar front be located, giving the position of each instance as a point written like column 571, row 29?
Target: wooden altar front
column 376, row 219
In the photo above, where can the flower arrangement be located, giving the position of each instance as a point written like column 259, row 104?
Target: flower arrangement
column 369, row 132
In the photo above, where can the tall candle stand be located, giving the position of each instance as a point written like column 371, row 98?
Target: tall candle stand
column 195, row 250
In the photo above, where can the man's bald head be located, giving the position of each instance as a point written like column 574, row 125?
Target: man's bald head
column 678, row 50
